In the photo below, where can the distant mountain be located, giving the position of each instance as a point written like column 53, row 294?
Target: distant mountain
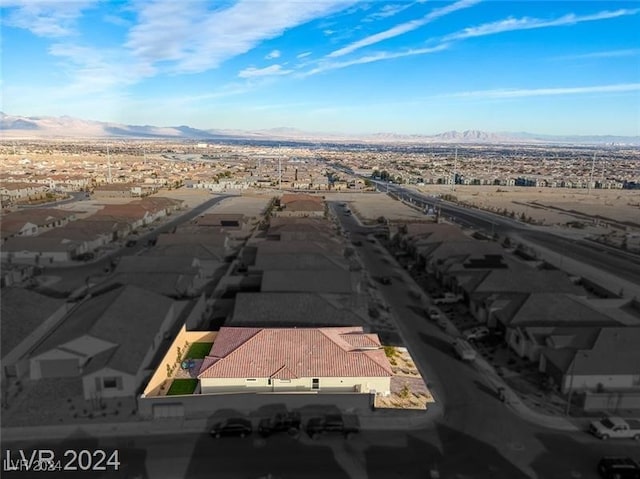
column 13, row 126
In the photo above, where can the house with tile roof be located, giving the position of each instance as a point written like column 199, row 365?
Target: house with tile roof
column 108, row 340
column 343, row 359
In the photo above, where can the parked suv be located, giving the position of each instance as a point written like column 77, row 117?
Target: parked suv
column 280, row 422
column 613, row 467
column 333, row 423
column 232, row 427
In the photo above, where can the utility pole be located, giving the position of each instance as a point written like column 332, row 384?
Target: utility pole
column 279, row 169
column 109, row 163
column 453, row 174
column 593, row 165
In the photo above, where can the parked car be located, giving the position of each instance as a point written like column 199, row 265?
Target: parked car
column 478, row 332
column 385, row 280
column 280, row 422
column 232, row 427
column 616, row 427
column 464, row 350
column 131, row 243
column 447, row 298
column 346, row 425
column 618, row 467
column 357, row 243
column 433, row 313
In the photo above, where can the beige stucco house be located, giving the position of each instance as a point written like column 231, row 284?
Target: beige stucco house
column 341, row 359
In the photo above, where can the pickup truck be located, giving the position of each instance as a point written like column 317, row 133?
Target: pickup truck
column 616, row 427
column 346, row 425
column 447, row 298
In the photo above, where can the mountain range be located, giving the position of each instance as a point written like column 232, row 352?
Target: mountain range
column 48, row 127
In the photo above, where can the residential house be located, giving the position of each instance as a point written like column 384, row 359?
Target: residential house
column 320, row 281
column 108, row 340
column 295, row 360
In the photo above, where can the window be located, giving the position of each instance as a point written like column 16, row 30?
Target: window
column 269, row 382
column 315, row 383
column 248, row 380
column 109, row 383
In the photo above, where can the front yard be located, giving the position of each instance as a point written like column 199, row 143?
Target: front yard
column 408, row 388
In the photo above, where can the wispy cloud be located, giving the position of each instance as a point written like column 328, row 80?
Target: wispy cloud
column 631, row 52
column 403, row 28
column 326, row 66
column 96, row 70
column 521, row 93
column 273, row 54
column 271, row 70
column 45, row 18
column 526, row 23
column 303, row 54
column 195, row 39
column 387, row 11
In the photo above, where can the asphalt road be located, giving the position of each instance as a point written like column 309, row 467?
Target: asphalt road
column 74, row 276
column 614, row 261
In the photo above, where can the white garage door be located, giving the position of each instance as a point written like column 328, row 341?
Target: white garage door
column 168, row 410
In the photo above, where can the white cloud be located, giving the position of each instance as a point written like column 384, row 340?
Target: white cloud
column 403, row 28
column 631, row 52
column 195, row 39
column 387, row 11
column 520, row 93
column 45, row 18
column 526, row 23
column 303, row 55
column 273, row 54
column 323, row 67
column 93, row 70
column 271, row 70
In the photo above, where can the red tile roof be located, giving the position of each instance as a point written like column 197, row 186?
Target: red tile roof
column 287, row 353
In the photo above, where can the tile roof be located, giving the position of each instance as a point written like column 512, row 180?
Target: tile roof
column 320, row 281
column 295, row 352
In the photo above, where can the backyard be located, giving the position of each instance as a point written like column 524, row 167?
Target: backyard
column 182, row 386
column 198, row 350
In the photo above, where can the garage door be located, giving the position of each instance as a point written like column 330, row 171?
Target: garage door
column 168, row 410
column 59, row 368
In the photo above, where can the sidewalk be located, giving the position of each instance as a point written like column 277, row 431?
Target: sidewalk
column 369, row 420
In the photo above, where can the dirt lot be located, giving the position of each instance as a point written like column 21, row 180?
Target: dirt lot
column 369, row 206
column 249, row 204
column 551, row 205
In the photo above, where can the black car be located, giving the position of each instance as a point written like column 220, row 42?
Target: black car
column 333, row 423
column 385, row 280
column 281, row 422
column 232, row 427
column 618, row 467
column 357, row 243
column 131, row 243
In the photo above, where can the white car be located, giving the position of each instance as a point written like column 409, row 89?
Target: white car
column 476, row 333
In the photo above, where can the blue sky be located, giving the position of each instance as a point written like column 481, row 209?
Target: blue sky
column 418, row 67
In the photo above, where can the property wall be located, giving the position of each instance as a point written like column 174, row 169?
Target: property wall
column 206, row 405
column 184, row 336
column 611, row 401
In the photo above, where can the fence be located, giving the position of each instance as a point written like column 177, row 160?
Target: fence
column 611, row 401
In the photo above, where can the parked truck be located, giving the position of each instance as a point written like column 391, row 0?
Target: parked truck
column 616, row 427
column 448, row 298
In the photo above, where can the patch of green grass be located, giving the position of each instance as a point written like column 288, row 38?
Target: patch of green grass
column 390, row 351
column 182, row 386
column 198, row 350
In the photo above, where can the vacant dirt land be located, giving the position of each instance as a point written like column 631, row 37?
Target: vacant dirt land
column 551, row 205
column 369, row 206
column 249, row 204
